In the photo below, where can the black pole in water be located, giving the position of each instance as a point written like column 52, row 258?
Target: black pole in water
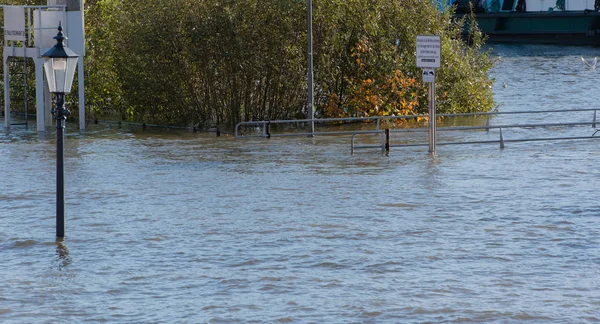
column 311, row 95
column 387, row 140
column 60, row 114
column 268, row 129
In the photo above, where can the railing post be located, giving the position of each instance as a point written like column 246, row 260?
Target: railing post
column 594, row 122
column 387, row 140
column 501, row 139
column 268, row 129
column 236, row 129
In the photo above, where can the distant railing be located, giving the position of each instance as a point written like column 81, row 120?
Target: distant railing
column 265, row 131
column 386, row 144
column 263, row 128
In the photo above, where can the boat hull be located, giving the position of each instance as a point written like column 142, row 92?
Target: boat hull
column 558, row 27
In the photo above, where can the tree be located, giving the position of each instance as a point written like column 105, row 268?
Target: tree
column 217, row 62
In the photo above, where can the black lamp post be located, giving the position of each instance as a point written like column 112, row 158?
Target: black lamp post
column 60, row 63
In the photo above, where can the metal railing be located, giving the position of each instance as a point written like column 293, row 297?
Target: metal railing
column 264, row 125
column 263, row 128
column 385, row 142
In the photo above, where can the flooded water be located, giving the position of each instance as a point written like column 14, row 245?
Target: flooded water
column 170, row 226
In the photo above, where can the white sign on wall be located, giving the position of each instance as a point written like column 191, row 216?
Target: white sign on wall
column 428, row 52
column 14, row 23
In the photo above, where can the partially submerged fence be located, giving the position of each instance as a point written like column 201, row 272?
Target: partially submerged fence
column 264, row 128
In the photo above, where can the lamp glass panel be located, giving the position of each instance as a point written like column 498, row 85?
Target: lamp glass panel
column 60, row 72
column 70, row 73
column 50, row 75
column 60, row 75
column 59, row 63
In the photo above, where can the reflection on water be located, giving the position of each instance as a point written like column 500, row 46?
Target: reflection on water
column 62, row 254
column 172, row 226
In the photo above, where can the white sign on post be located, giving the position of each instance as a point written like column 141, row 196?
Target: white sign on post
column 428, row 58
column 14, row 23
column 428, row 52
column 428, row 75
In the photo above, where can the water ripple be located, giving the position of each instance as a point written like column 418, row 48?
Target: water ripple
column 181, row 227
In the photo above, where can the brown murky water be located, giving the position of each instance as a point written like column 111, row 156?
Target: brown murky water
column 170, row 226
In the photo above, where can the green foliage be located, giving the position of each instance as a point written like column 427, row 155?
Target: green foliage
column 207, row 62
column 462, row 81
column 103, row 87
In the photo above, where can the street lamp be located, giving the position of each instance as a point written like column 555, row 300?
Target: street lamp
column 59, row 64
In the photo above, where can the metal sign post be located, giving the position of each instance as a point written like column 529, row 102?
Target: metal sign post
column 428, row 58
column 432, row 118
column 311, row 96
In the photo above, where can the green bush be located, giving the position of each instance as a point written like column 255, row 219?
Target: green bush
column 212, row 62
